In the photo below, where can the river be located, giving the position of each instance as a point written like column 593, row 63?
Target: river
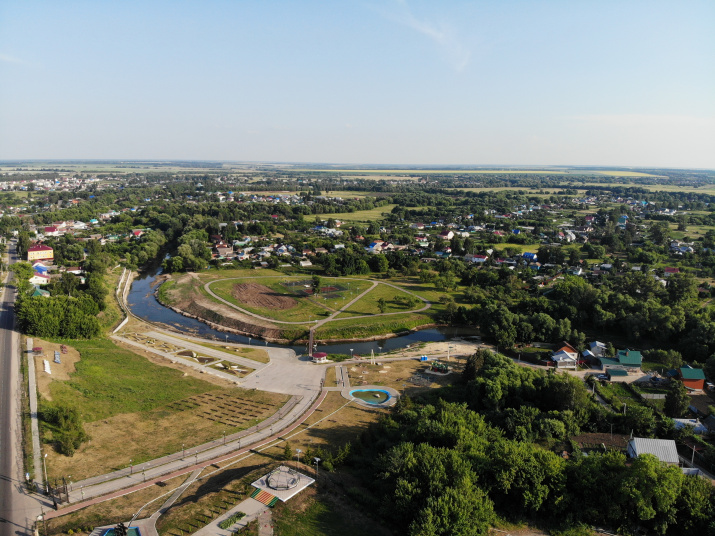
column 143, row 303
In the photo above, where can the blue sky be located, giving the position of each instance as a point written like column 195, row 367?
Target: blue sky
column 622, row 83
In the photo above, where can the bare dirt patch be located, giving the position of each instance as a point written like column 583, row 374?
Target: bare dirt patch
column 60, row 371
column 256, row 295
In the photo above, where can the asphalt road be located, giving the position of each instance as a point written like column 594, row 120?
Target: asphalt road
column 18, row 510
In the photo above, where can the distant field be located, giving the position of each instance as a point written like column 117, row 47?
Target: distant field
column 531, row 190
column 363, row 215
column 436, row 171
column 707, row 189
column 345, row 194
column 624, row 173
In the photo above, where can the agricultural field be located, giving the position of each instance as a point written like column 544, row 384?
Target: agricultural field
column 125, row 398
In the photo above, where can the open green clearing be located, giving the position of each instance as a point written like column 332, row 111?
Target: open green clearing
column 110, row 380
column 336, row 292
column 362, row 215
column 126, row 399
column 367, row 305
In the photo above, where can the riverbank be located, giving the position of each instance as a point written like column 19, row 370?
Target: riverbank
column 219, row 319
column 260, row 334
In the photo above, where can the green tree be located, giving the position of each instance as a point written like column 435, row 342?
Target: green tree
column 315, row 285
column 382, row 304
column 676, row 401
column 287, row 452
column 649, row 493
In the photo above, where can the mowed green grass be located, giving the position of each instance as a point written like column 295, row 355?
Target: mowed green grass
column 110, row 380
column 367, row 305
column 362, row 215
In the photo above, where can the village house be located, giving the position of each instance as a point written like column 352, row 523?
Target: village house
column 693, row 378
column 39, row 279
column 663, row 449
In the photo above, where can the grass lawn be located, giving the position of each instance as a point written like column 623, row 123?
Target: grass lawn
column 111, row 380
column 426, row 290
column 112, row 314
column 150, row 410
column 367, row 305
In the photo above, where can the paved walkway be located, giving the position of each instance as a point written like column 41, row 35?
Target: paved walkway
column 34, row 424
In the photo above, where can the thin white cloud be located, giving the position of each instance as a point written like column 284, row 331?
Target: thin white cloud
column 441, row 33
column 647, row 120
column 6, row 58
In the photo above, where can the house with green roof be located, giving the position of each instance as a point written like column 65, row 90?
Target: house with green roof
column 630, row 360
column 39, row 292
column 692, row 378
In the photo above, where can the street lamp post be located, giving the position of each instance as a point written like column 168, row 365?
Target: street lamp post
column 351, row 353
column 196, row 458
column 298, row 452
column 47, row 482
column 131, row 467
column 316, row 461
column 183, row 451
column 249, row 341
column 224, row 437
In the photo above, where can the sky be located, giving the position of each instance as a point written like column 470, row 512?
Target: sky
column 498, row 82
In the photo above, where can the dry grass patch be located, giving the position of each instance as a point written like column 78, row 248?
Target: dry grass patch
column 408, row 376
column 115, row 510
column 209, row 497
column 254, row 354
column 145, row 436
column 330, row 377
